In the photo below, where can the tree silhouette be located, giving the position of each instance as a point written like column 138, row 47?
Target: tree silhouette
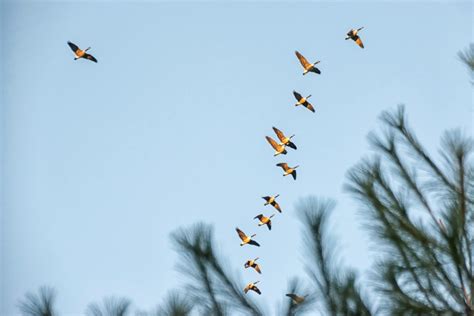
column 41, row 304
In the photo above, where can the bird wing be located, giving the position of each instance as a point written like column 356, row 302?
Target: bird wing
column 316, row 70
column 309, row 106
column 241, row 234
column 304, row 62
column 259, row 216
column 294, row 174
column 279, row 133
column 253, row 242
column 73, row 46
column 246, row 289
column 350, row 33
column 291, row 145
column 359, row 41
column 256, row 289
column 257, row 268
column 90, row 57
column 283, row 165
column 274, row 144
column 291, row 295
column 277, row 206
column 266, row 198
column 297, row 95
column 269, row 225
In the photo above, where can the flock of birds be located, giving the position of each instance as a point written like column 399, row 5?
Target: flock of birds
column 280, row 149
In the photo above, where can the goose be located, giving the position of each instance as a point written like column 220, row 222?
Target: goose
column 252, row 287
column 246, row 239
column 264, row 220
column 287, row 169
column 79, row 53
column 286, row 141
column 279, row 149
column 303, row 101
column 306, row 65
column 253, row 264
column 296, row 298
column 272, row 201
column 352, row 34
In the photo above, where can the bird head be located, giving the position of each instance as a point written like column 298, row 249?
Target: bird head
column 87, row 49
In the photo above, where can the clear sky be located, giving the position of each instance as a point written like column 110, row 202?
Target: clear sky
column 102, row 161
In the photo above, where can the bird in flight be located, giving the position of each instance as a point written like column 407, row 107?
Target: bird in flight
column 296, row 298
column 286, row 141
column 303, row 101
column 253, row 264
column 306, row 65
column 272, row 201
column 279, row 148
column 264, row 220
column 79, row 53
column 287, row 169
column 252, row 287
column 352, row 34
column 246, row 239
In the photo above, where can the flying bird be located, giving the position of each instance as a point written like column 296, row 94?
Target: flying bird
column 296, row 298
column 253, row 264
column 252, row 287
column 79, row 53
column 272, row 201
column 287, row 169
column 306, row 65
column 303, row 101
column 246, row 239
column 352, row 34
column 285, row 141
column 264, row 220
column 279, row 148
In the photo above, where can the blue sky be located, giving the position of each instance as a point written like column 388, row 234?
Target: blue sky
column 100, row 162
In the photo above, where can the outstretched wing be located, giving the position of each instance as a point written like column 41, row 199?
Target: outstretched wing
column 90, row 57
column 279, row 133
column 253, row 242
column 73, row 46
column 297, row 95
column 266, row 198
column 256, row 289
column 274, row 144
column 259, row 216
column 359, row 41
column 291, row 145
column 309, row 106
column 294, row 174
column 304, row 62
column 269, row 225
column 241, row 233
column 276, row 206
column 283, row 165
column 257, row 268
column 315, row 70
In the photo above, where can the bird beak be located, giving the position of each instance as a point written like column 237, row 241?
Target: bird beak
column 256, row 282
column 253, row 235
column 360, row 29
column 87, row 49
column 296, row 167
column 278, row 194
column 309, row 96
column 256, row 259
column 317, row 62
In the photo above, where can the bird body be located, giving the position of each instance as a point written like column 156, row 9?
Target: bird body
column 285, row 141
column 279, row 148
column 79, row 53
column 307, row 66
column 272, row 201
column 296, row 298
column 246, row 239
column 252, row 287
column 253, row 264
column 264, row 220
column 353, row 35
column 303, row 101
column 288, row 170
